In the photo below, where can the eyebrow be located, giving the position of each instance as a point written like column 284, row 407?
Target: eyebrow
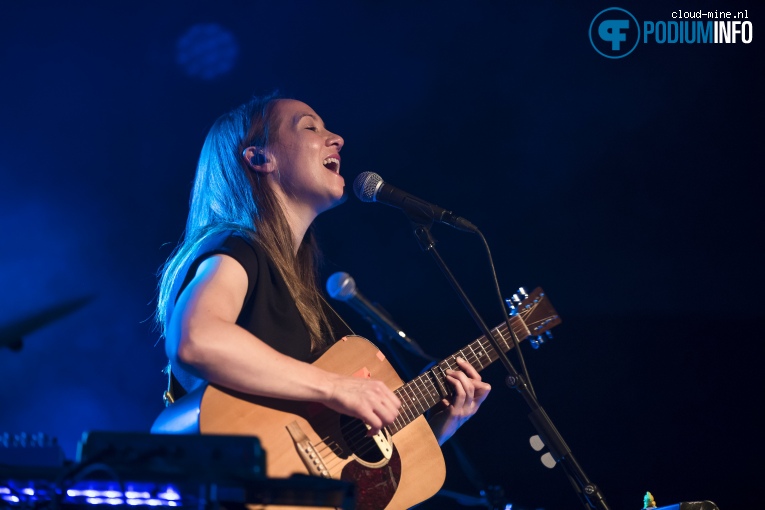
column 301, row 115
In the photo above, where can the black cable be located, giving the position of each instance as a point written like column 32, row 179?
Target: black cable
column 516, row 342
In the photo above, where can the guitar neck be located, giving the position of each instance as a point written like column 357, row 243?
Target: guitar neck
column 429, row 388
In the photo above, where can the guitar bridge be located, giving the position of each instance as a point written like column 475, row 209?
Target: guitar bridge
column 310, row 457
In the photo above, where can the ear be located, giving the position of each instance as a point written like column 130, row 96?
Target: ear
column 256, row 159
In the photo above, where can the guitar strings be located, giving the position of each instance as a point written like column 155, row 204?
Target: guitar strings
column 331, row 464
column 358, row 427
column 411, row 400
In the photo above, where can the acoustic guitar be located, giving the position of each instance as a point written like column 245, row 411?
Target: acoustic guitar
column 400, row 466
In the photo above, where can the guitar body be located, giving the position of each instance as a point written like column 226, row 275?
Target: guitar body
column 308, row 438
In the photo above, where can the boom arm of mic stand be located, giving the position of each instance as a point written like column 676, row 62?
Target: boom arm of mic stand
column 385, row 329
column 405, row 341
column 547, row 431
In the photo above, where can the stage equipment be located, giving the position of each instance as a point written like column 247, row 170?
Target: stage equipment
column 690, row 505
column 24, row 449
column 650, row 504
column 12, row 334
column 137, row 469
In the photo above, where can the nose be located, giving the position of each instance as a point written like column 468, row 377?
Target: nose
column 335, row 140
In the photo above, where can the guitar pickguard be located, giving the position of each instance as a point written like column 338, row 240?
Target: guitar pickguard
column 375, row 487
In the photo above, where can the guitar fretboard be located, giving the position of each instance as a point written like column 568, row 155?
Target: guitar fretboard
column 430, row 387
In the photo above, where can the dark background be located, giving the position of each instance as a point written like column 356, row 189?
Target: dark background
column 628, row 189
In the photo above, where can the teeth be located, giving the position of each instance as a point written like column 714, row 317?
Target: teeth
column 332, row 164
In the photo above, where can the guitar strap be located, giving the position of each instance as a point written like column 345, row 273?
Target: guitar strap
column 336, row 321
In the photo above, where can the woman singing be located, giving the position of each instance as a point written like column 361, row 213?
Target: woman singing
column 239, row 303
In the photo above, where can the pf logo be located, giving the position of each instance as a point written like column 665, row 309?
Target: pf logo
column 614, row 32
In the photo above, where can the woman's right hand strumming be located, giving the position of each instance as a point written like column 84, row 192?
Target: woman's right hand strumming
column 366, row 399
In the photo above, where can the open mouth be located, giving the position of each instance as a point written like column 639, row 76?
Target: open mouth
column 333, row 164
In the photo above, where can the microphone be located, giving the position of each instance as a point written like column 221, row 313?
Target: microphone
column 370, row 187
column 342, row 287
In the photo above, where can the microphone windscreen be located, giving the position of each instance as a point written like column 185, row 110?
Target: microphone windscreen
column 341, row 286
column 365, row 186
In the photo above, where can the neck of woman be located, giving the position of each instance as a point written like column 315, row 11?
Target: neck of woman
column 299, row 218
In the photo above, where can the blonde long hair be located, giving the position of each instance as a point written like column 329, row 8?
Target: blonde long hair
column 227, row 195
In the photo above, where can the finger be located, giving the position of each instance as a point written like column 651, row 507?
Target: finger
column 466, row 383
column 395, row 401
column 468, row 369
column 391, row 406
column 374, row 424
column 459, row 397
column 389, row 402
column 386, row 395
column 384, row 417
column 482, row 390
column 386, row 413
column 385, row 404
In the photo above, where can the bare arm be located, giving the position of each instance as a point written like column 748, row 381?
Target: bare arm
column 204, row 338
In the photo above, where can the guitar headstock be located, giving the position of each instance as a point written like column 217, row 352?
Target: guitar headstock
column 536, row 311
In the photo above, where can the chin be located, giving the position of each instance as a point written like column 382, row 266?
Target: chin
column 331, row 203
column 341, row 199
column 335, row 201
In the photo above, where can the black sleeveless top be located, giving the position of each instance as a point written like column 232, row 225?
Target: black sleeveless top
column 269, row 312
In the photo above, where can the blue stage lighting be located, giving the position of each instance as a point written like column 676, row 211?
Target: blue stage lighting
column 206, row 51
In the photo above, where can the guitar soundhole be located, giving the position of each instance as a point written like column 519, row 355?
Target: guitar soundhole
column 354, row 432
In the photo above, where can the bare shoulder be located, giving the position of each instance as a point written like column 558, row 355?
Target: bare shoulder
column 219, row 286
column 222, row 268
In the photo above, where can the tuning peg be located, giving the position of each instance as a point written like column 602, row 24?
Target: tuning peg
column 549, row 334
column 511, row 307
column 538, row 340
column 523, row 292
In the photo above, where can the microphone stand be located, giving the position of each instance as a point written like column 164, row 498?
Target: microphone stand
column 590, row 494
